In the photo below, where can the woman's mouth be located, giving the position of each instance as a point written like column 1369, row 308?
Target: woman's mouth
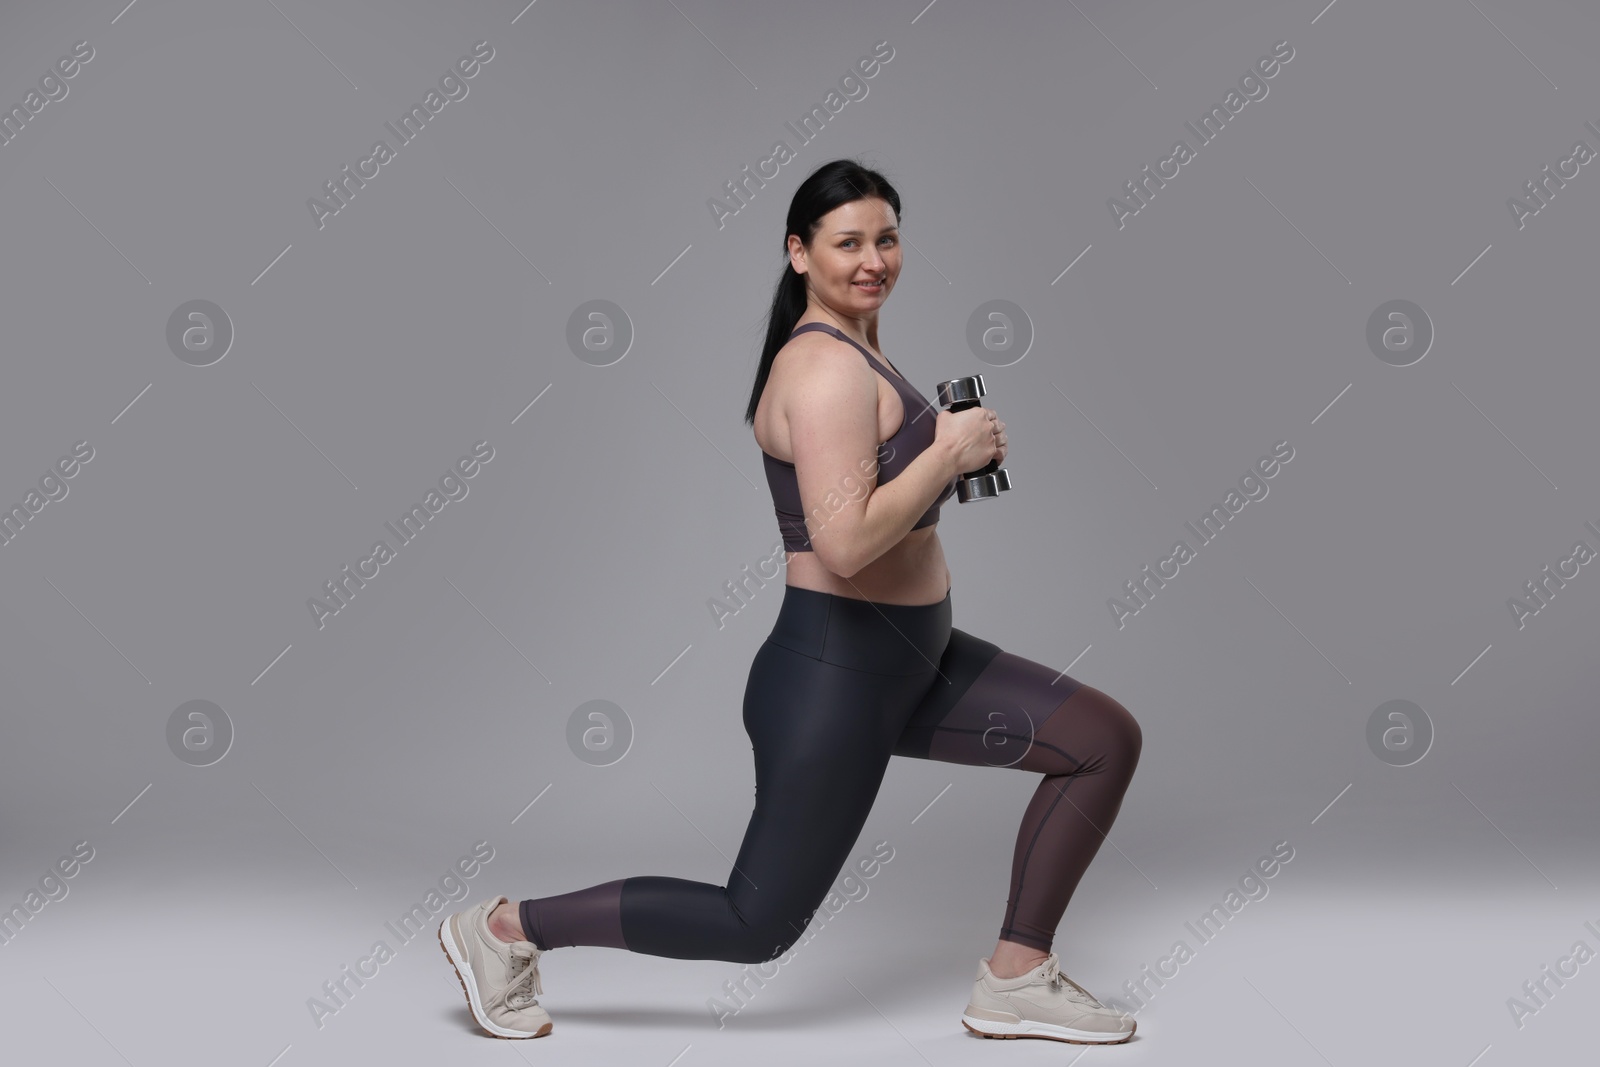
column 870, row 287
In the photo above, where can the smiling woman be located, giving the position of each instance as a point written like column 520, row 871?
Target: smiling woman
column 862, row 664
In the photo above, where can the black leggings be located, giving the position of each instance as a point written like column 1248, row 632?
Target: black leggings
column 838, row 687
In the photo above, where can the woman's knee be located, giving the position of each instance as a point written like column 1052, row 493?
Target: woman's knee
column 766, row 940
column 1090, row 731
column 1126, row 730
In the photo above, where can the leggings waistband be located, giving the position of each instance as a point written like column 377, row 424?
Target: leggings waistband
column 863, row 635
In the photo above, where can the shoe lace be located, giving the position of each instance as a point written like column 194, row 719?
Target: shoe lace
column 1056, row 980
column 519, row 993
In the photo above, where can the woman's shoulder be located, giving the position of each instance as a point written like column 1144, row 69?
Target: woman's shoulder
column 814, row 349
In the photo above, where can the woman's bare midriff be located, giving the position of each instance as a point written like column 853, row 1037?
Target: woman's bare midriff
column 912, row 572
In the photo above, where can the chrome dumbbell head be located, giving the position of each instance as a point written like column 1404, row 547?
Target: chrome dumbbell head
column 963, row 391
column 983, row 486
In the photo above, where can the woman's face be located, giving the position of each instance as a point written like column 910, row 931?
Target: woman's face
column 857, row 242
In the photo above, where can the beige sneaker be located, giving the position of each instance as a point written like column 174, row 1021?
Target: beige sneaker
column 500, row 979
column 1043, row 1003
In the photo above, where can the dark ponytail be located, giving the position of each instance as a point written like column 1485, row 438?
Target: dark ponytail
column 832, row 184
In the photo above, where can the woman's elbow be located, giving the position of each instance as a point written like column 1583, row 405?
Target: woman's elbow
column 835, row 552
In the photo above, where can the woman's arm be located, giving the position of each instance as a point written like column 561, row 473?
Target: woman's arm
column 833, row 431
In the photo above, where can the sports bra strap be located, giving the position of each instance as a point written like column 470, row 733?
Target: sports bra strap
column 872, row 360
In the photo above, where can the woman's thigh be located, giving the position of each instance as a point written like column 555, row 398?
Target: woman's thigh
column 822, row 735
column 990, row 707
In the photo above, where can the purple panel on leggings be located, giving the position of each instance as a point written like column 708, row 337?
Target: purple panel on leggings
column 590, row 916
column 1004, row 707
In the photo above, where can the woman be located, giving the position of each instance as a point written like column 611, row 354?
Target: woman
column 862, row 664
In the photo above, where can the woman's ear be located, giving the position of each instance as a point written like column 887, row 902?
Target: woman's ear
column 797, row 254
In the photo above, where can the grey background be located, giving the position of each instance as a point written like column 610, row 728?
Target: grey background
column 1226, row 316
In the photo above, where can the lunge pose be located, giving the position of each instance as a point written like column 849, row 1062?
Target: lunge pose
column 862, row 664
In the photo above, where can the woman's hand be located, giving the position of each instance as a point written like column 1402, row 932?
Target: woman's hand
column 975, row 436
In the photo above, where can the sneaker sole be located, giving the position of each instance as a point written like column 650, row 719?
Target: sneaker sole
column 463, row 969
column 1049, row 1031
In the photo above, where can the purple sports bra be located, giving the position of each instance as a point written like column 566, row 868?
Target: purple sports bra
column 894, row 455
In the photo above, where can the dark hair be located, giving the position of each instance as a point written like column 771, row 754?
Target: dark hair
column 832, row 184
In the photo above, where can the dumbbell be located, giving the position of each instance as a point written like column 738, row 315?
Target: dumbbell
column 958, row 394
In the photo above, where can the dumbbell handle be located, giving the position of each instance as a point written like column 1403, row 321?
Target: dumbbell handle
column 994, row 464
